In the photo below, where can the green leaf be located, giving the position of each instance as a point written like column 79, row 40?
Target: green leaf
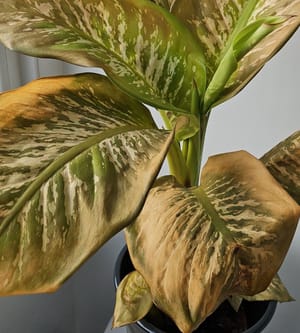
column 142, row 47
column 283, row 162
column 72, row 151
column 221, row 25
column 133, row 300
column 197, row 246
column 186, row 126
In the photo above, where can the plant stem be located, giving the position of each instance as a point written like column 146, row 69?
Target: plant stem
column 195, row 147
column 176, row 161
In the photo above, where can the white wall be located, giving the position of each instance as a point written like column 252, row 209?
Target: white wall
column 264, row 113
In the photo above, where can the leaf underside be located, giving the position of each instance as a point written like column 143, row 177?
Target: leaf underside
column 197, row 246
column 142, row 47
column 72, row 151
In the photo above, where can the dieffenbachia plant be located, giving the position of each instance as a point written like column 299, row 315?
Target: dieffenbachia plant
column 79, row 155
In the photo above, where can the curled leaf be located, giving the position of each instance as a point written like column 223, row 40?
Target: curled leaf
column 220, row 26
column 196, row 246
column 133, row 300
column 283, row 162
column 276, row 291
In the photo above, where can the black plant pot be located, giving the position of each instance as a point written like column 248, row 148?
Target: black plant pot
column 252, row 317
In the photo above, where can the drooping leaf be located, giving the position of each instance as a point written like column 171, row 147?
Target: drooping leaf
column 219, row 25
column 196, row 246
column 283, row 162
column 141, row 46
column 133, row 300
column 72, row 151
column 276, row 291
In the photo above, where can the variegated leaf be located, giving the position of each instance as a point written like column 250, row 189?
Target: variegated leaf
column 72, row 151
column 283, row 162
column 141, row 46
column 196, row 246
column 133, row 300
column 276, row 291
column 217, row 24
column 165, row 3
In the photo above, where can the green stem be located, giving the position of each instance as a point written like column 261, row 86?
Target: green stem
column 176, row 161
column 195, row 150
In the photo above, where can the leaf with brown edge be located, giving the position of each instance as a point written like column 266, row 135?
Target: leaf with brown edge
column 197, row 246
column 218, row 24
column 133, row 300
column 144, row 49
column 276, row 291
column 283, row 162
column 72, row 150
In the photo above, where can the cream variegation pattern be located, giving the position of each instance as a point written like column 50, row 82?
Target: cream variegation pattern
column 197, row 246
column 165, row 3
column 283, row 162
column 73, row 149
column 217, row 23
column 143, row 48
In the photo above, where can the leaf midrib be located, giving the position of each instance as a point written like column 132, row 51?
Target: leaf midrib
column 216, row 220
column 57, row 164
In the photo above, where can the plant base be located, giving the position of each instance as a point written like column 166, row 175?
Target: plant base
column 252, row 317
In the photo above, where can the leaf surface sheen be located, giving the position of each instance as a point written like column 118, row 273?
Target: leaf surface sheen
column 142, row 47
column 73, row 150
column 217, row 24
column 197, row 246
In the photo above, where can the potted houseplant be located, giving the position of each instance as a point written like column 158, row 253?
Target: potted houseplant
column 80, row 154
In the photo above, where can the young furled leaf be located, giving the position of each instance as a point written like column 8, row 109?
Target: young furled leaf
column 72, row 151
column 197, row 246
column 142, row 47
column 218, row 24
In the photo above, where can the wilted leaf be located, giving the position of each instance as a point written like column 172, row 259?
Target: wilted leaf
column 276, row 291
column 72, row 151
column 283, row 162
column 141, row 46
column 218, row 26
column 133, row 300
column 196, row 246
